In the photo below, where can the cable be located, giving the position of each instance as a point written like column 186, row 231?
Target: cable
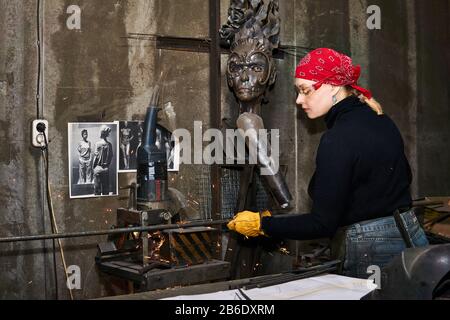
column 39, row 60
column 41, row 128
column 44, row 246
column 38, row 116
column 55, row 273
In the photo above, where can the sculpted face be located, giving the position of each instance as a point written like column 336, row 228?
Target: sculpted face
column 249, row 72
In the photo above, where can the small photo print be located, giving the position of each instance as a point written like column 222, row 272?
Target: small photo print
column 93, row 159
column 131, row 139
column 173, row 154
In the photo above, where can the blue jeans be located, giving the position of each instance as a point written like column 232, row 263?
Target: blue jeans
column 377, row 242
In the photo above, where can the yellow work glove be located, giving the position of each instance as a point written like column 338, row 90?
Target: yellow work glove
column 248, row 223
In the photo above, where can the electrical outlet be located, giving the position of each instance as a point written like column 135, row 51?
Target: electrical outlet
column 37, row 138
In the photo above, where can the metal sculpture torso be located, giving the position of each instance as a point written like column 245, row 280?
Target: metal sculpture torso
column 252, row 31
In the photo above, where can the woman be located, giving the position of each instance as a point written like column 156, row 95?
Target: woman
column 362, row 175
column 126, row 137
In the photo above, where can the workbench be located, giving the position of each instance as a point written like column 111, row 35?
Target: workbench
column 324, row 287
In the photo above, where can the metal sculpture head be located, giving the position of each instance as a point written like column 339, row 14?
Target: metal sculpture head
column 252, row 31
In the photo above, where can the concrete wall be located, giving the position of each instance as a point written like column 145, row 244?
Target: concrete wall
column 98, row 74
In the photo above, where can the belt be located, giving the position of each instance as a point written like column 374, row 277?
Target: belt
column 403, row 209
column 338, row 243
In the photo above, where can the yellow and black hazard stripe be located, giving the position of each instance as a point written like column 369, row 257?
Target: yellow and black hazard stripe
column 190, row 248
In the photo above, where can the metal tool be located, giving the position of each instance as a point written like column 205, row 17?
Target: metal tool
column 403, row 230
column 251, row 124
column 111, row 231
column 284, row 278
column 152, row 164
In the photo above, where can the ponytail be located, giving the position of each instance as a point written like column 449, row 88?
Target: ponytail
column 372, row 103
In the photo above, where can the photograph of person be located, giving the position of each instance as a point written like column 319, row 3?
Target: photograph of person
column 93, row 159
column 131, row 139
column 85, row 157
column 130, row 134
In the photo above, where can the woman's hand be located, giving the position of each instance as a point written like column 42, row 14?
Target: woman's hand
column 248, row 223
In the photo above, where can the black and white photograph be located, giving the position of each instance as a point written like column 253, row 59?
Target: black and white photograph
column 172, row 147
column 93, row 159
column 130, row 139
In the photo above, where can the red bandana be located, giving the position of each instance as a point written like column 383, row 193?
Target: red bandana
column 328, row 66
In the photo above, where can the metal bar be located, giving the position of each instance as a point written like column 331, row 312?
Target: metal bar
column 112, row 231
column 425, row 203
column 215, row 96
column 295, row 278
column 199, row 44
column 183, row 44
column 215, row 76
column 294, row 273
column 287, row 278
column 246, row 297
column 318, row 267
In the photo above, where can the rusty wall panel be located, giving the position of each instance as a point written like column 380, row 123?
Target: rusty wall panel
column 322, row 23
column 433, row 110
column 22, row 266
column 95, row 74
column 389, row 65
column 187, row 87
column 87, row 78
column 103, row 75
column 182, row 18
column 317, row 24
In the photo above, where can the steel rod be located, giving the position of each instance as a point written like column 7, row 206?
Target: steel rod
column 111, row 231
column 276, row 280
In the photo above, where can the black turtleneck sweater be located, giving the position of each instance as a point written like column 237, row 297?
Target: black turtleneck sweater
column 361, row 174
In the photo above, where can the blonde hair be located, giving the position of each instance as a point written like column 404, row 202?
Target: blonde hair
column 372, row 103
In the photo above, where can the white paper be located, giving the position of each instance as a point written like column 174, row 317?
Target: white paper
column 327, row 287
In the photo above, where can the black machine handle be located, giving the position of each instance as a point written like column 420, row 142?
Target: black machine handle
column 402, row 228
